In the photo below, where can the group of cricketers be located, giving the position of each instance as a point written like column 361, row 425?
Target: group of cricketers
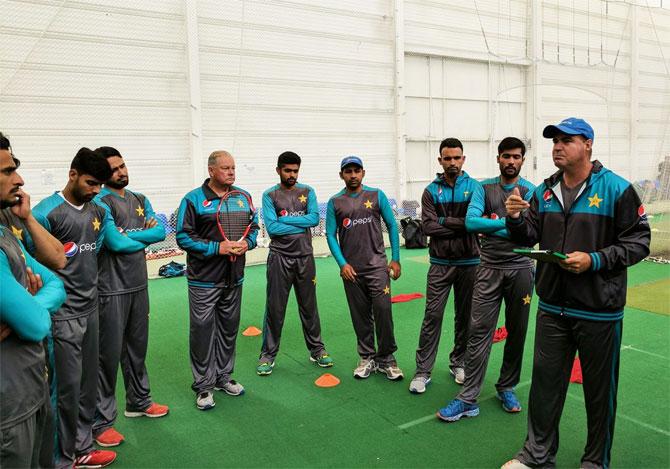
column 101, row 318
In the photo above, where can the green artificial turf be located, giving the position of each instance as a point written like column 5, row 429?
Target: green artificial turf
column 284, row 420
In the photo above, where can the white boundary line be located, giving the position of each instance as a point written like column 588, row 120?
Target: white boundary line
column 619, row 415
column 430, row 417
column 630, row 347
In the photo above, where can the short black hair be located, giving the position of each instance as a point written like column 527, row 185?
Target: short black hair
column 450, row 143
column 4, row 142
column 108, row 152
column 90, row 162
column 5, row 145
column 510, row 143
column 288, row 157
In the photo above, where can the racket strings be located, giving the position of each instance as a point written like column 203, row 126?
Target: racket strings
column 234, row 218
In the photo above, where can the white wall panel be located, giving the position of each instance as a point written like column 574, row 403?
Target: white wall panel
column 91, row 74
column 313, row 77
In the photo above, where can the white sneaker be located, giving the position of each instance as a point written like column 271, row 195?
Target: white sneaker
column 418, row 384
column 232, row 388
column 458, row 373
column 514, row 464
column 205, row 400
column 391, row 371
column 364, row 368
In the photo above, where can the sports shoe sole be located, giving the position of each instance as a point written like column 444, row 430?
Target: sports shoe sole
column 108, row 445
column 364, row 375
column 456, row 380
column 229, row 393
column 131, row 415
column 266, row 373
column 467, row 413
column 314, row 360
column 416, row 391
column 509, row 411
column 391, row 377
column 205, row 407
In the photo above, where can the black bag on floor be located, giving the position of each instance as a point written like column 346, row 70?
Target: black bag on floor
column 412, row 231
column 172, row 269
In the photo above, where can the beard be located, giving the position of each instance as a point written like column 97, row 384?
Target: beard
column 289, row 182
column 117, row 184
column 8, row 203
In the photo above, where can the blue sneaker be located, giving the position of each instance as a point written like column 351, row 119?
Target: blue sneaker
column 456, row 410
column 509, row 401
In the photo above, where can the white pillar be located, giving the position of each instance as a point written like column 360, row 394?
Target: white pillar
column 634, row 92
column 533, row 166
column 198, row 162
column 401, row 158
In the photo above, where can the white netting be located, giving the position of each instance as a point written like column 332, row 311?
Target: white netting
column 655, row 195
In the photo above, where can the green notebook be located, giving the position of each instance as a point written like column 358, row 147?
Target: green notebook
column 543, row 255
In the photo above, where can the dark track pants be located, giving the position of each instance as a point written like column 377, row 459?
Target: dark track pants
column 124, row 338
column 74, row 381
column 284, row 272
column 369, row 299
column 214, row 323
column 492, row 286
column 23, row 444
column 440, row 280
column 556, row 340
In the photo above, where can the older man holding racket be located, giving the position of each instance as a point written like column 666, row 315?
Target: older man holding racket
column 216, row 225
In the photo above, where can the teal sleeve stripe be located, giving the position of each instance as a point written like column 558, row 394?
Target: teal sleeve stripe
column 184, row 235
column 112, row 239
column 253, row 232
column 595, row 261
column 150, row 235
column 391, row 225
column 484, row 225
column 305, row 221
column 52, row 294
column 272, row 224
column 18, row 309
column 331, row 235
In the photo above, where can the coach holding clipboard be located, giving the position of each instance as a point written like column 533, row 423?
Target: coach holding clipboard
column 596, row 218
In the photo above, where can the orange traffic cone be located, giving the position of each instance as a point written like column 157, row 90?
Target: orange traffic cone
column 251, row 331
column 576, row 375
column 327, row 380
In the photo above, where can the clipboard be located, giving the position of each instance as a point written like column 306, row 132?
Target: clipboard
column 542, row 255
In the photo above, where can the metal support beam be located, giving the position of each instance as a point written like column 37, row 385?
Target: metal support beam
column 401, row 154
column 198, row 162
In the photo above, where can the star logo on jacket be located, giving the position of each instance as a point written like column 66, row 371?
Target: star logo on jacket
column 387, row 290
column 595, row 201
column 17, row 232
column 368, row 204
column 465, row 194
column 303, row 199
column 314, row 280
column 240, row 204
column 96, row 224
column 140, row 211
column 526, row 299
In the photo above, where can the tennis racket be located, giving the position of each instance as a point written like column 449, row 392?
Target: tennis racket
column 234, row 217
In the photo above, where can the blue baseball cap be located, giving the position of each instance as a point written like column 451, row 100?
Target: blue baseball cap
column 347, row 160
column 569, row 126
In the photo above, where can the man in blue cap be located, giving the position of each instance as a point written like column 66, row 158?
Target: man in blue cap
column 354, row 232
column 596, row 218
